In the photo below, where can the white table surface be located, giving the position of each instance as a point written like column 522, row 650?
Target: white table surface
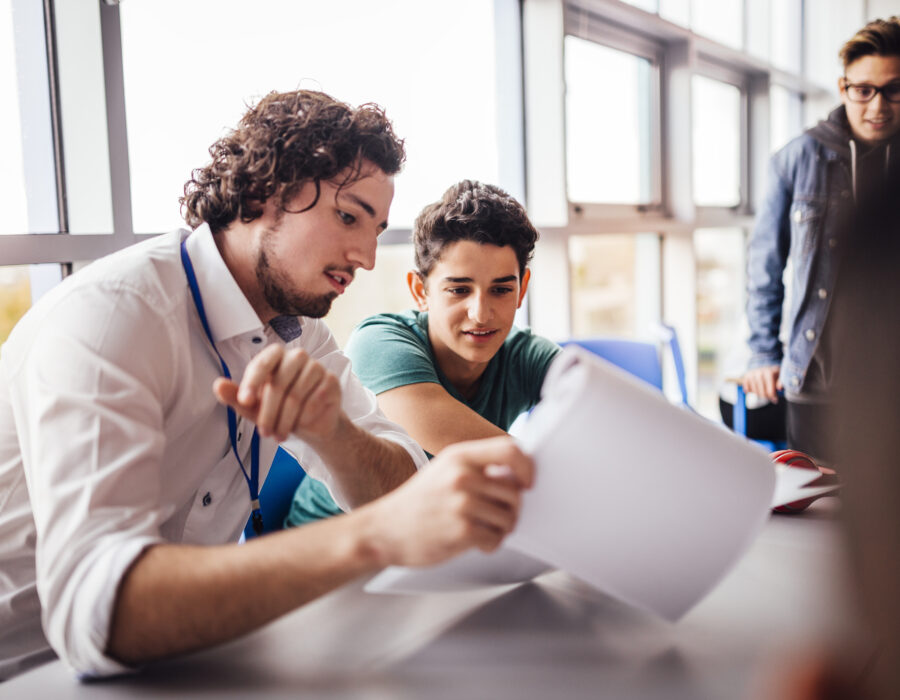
column 553, row 638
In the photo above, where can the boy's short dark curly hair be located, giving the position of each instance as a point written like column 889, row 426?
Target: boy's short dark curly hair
column 473, row 211
column 284, row 141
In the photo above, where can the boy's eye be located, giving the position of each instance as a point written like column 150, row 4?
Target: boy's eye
column 345, row 217
column 503, row 290
column 458, row 290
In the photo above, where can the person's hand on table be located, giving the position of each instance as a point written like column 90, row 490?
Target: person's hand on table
column 469, row 495
column 764, row 381
column 285, row 392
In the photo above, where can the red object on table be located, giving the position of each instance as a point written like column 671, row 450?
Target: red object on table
column 801, row 460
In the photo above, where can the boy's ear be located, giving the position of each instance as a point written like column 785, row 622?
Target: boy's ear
column 523, row 287
column 416, row 285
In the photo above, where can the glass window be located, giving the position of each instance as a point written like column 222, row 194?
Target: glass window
column 217, row 57
column 12, row 168
column 785, row 112
column 720, row 306
column 759, row 29
column 382, row 290
column 717, row 142
column 608, row 124
column 20, row 287
column 649, row 5
column 786, row 42
column 722, row 20
column 677, row 11
column 827, row 25
column 615, row 282
column 27, row 171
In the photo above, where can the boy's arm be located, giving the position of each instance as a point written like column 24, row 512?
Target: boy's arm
column 433, row 417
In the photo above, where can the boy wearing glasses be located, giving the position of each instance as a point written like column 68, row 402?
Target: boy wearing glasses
column 814, row 184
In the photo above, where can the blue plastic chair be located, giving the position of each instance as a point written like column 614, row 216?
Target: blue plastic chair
column 739, row 422
column 277, row 492
column 640, row 358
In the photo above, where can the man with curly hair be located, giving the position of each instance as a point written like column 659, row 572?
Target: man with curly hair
column 456, row 368
column 142, row 400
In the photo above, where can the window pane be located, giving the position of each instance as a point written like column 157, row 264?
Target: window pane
column 20, row 286
column 607, row 124
column 786, row 108
column 85, row 132
column 759, row 29
column 382, row 290
column 720, row 308
column 677, row 11
column 721, row 20
column 441, row 98
column 649, row 5
column 785, row 32
column 717, row 142
column 828, row 24
column 27, row 178
column 615, row 284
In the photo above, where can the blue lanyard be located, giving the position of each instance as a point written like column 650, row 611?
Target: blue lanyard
column 253, row 479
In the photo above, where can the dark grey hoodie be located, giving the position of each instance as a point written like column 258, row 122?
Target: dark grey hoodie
column 868, row 163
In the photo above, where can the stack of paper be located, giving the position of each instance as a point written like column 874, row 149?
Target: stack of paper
column 643, row 499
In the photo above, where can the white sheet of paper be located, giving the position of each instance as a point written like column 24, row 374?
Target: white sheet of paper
column 471, row 569
column 791, row 484
column 644, row 500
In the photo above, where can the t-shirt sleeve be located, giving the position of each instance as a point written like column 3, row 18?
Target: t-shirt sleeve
column 534, row 355
column 387, row 353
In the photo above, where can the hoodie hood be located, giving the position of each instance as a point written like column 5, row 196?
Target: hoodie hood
column 835, row 134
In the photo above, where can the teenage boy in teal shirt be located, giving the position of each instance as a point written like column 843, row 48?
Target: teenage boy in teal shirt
column 454, row 369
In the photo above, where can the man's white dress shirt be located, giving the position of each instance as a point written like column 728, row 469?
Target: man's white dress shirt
column 111, row 439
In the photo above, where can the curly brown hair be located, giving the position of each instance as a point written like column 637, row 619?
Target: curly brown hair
column 284, row 141
column 880, row 37
column 473, row 211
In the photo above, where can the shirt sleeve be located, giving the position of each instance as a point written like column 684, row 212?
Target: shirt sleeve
column 533, row 356
column 359, row 404
column 89, row 416
column 387, row 353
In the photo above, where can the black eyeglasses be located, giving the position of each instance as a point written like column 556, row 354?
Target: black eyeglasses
column 863, row 92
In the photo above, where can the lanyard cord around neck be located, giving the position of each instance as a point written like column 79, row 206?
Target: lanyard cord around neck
column 253, row 479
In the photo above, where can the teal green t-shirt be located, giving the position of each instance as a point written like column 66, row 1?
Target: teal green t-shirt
column 392, row 350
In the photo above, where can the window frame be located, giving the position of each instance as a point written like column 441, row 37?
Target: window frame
column 585, row 25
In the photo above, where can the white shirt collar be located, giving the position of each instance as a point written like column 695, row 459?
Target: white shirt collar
column 227, row 310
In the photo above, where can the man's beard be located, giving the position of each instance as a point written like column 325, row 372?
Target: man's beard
column 276, row 292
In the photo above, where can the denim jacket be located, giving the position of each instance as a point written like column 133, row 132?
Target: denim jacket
column 810, row 189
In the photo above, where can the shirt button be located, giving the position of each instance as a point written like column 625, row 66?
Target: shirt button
column 798, row 216
column 823, row 293
column 207, row 499
column 795, row 381
column 257, row 340
column 810, row 334
column 832, row 242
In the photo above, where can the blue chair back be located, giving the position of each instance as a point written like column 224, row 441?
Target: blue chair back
column 277, row 492
column 739, row 421
column 640, row 358
column 635, row 357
